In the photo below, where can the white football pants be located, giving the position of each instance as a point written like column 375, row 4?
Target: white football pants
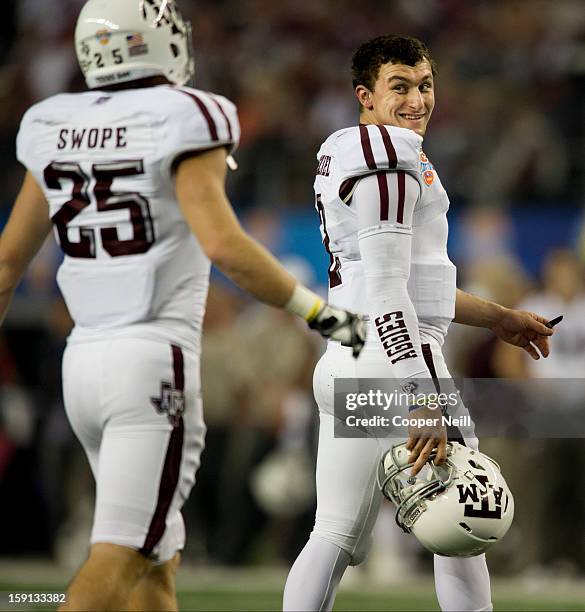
column 135, row 406
column 348, row 500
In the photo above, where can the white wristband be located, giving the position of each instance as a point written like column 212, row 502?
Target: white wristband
column 304, row 303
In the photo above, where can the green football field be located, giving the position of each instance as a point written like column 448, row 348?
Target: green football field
column 261, row 589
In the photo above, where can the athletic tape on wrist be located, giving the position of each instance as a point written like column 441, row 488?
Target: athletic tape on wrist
column 304, row 303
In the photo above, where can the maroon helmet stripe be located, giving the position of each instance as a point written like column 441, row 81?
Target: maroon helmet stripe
column 390, row 150
column 172, row 466
column 401, row 194
column 205, row 112
column 367, row 148
column 227, row 121
column 384, row 197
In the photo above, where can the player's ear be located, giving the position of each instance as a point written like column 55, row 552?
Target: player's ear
column 364, row 96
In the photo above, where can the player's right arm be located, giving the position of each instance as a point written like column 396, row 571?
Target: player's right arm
column 521, row 328
column 384, row 203
column 200, row 181
column 23, row 236
column 200, row 189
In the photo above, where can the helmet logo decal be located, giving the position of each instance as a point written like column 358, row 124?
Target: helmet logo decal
column 476, row 496
column 103, row 36
column 136, row 44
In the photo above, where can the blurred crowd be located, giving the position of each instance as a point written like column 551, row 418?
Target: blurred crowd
column 508, row 126
column 507, row 137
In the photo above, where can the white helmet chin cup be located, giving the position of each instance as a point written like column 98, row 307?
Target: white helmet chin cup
column 125, row 40
column 458, row 509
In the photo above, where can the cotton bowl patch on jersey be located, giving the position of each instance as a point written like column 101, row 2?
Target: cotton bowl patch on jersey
column 427, row 169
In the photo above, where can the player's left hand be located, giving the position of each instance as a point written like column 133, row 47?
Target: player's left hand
column 524, row 329
column 425, row 438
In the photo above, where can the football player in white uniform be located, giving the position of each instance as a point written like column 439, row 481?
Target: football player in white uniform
column 383, row 221
column 131, row 177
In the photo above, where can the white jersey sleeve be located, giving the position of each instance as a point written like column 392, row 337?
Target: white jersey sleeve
column 385, row 248
column 204, row 121
column 24, row 139
column 366, row 149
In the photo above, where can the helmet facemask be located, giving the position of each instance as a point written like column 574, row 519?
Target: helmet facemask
column 408, row 493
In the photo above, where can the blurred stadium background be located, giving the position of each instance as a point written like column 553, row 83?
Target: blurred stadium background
column 508, row 139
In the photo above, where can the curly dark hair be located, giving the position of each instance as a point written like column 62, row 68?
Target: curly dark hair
column 366, row 61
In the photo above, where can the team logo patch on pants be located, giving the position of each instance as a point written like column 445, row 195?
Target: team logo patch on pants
column 171, row 402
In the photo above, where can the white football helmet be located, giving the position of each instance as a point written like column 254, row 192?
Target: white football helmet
column 458, row 509
column 125, row 40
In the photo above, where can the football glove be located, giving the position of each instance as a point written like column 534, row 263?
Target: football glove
column 340, row 325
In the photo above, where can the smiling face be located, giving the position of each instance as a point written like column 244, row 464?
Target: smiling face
column 402, row 96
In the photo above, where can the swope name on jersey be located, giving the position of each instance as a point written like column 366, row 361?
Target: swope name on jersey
column 394, row 336
column 92, row 138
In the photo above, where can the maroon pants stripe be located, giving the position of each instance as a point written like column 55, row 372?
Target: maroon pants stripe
column 205, row 112
column 367, row 148
column 390, row 150
column 178, row 368
column 428, row 357
column 401, row 195
column 384, row 197
column 172, row 466
column 453, row 433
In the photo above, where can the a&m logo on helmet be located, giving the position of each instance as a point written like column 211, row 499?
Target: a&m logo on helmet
column 103, row 36
column 426, row 169
column 484, row 504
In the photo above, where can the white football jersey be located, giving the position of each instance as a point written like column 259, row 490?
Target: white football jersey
column 344, row 158
column 105, row 163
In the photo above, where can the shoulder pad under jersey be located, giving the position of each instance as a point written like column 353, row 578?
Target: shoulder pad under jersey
column 25, row 146
column 365, row 149
column 204, row 119
column 199, row 121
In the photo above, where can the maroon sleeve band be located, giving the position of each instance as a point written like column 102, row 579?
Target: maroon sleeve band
column 401, row 195
column 367, row 147
column 390, row 150
column 205, row 112
column 384, row 196
column 227, row 121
